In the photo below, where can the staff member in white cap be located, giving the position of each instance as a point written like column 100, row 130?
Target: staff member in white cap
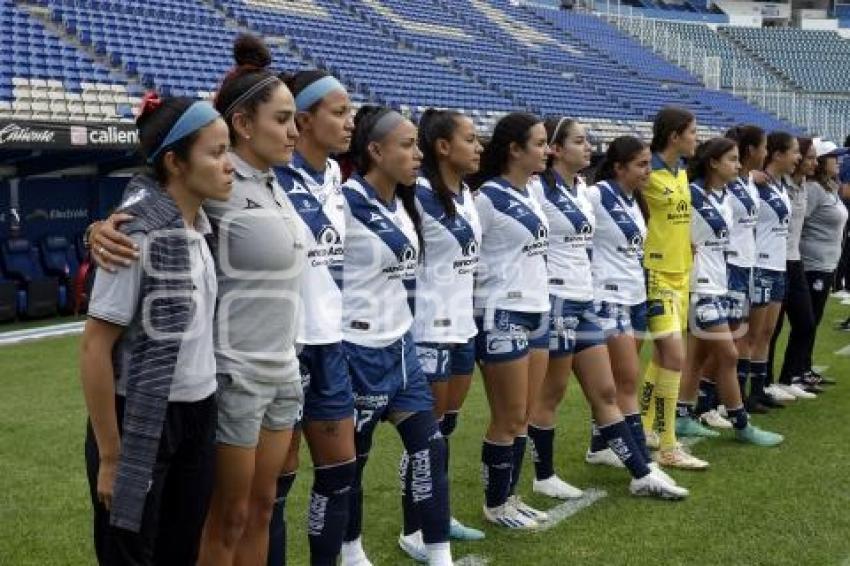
column 820, row 240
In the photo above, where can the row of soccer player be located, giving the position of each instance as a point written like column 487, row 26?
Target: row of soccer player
column 392, row 286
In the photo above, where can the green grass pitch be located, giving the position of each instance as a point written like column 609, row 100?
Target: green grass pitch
column 789, row 505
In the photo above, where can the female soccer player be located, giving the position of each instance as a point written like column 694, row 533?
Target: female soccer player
column 714, row 166
column 783, row 155
column 512, row 297
column 577, row 342
column 259, row 257
column 148, row 372
column 312, row 183
column 383, row 239
column 667, row 261
column 443, row 326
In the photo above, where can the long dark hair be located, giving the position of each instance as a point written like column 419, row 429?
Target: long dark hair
column 366, row 119
column 557, row 131
column 715, row 148
column 805, row 145
column 252, row 58
column 747, row 136
column 669, row 120
column 623, row 150
column 156, row 118
column 778, row 142
column 437, row 125
column 512, row 128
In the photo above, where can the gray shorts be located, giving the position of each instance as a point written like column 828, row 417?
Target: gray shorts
column 245, row 405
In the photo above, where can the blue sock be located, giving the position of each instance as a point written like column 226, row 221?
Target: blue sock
column 738, row 417
column 327, row 517
column 620, row 440
column 520, row 443
column 743, row 375
column 597, row 443
column 684, row 410
column 707, row 399
column 429, row 483
column 758, row 378
column 447, row 426
column 277, row 526
column 496, row 461
column 409, row 514
column 355, row 500
column 636, row 428
column 542, row 450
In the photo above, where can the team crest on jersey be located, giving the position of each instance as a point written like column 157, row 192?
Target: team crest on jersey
column 328, row 236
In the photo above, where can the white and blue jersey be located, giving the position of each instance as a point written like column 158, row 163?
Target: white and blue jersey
column 710, row 223
column 571, row 220
column 515, row 238
column 379, row 267
column 318, row 200
column 744, row 203
column 446, row 274
column 772, row 226
column 617, row 259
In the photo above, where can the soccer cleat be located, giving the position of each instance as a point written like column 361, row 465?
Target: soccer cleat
column 687, row 426
column 352, row 554
column 713, row 419
column 755, row 407
column 459, row 531
column 507, row 516
column 797, row 391
column 556, row 487
column 754, row 435
column 656, row 469
column 604, row 458
column 525, row 509
column 776, row 392
column 818, row 378
column 677, row 457
column 653, row 441
column 653, row 485
column 413, row 546
column 809, row 383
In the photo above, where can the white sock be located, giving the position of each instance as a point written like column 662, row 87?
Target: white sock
column 352, row 551
column 439, row 554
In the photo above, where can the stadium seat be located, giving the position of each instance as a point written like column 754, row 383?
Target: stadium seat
column 37, row 294
column 8, row 300
column 54, row 259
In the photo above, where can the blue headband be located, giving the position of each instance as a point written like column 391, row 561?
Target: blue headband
column 316, row 91
column 193, row 119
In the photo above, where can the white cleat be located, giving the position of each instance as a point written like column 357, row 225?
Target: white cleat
column 413, row 546
column 506, row 515
column 656, row 469
column 604, row 458
column 779, row 393
column 713, row 419
column 653, row 485
column 556, row 488
column 795, row 391
column 525, row 509
column 678, row 457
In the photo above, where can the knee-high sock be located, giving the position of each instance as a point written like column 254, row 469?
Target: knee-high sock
column 743, row 375
column 666, row 397
column 520, row 443
column 429, row 482
column 327, row 519
column 619, row 438
column 597, row 442
column 277, row 526
column 543, row 447
column 707, row 399
column 647, row 395
column 409, row 513
column 758, row 378
column 636, row 428
column 497, row 464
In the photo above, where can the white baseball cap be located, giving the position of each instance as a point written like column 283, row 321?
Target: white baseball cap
column 825, row 148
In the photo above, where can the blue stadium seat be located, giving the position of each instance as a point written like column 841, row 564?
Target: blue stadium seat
column 37, row 294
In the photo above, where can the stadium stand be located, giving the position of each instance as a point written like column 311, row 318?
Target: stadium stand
column 37, row 294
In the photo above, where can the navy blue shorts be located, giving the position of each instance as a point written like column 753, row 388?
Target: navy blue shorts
column 573, row 327
column 512, row 336
column 740, row 283
column 616, row 319
column 386, row 380
column 768, row 286
column 708, row 311
column 327, row 387
column 440, row 361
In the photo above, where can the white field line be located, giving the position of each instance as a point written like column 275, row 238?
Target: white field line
column 20, row 336
column 570, row 507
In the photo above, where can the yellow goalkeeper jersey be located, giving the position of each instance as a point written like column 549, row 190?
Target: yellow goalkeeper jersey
column 668, row 199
